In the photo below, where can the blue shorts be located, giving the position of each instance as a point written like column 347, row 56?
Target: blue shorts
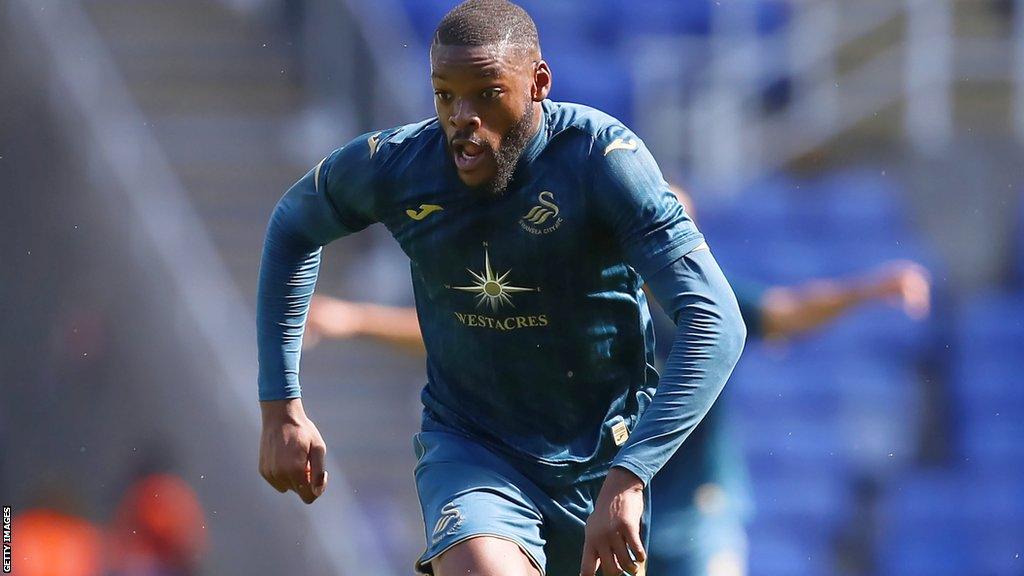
column 468, row 490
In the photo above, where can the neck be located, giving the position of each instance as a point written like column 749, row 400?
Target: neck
column 538, row 112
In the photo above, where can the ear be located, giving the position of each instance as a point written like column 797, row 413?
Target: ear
column 541, row 81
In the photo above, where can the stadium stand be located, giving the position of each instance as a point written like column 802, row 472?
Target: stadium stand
column 819, row 413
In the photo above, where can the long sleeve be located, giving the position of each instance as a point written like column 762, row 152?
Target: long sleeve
column 331, row 201
column 709, row 339
column 662, row 243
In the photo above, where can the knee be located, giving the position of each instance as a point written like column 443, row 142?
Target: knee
column 484, row 556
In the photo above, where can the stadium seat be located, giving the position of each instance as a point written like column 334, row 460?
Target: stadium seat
column 849, row 201
column 1018, row 242
column 988, row 388
column 991, row 319
column 986, row 395
column 772, row 15
column 802, row 500
column 959, row 521
column 663, row 17
column 563, row 25
column 774, row 447
column 991, row 440
column 880, row 329
column 776, row 553
column 597, row 77
column 424, row 16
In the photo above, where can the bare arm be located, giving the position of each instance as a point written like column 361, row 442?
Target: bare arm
column 792, row 311
column 340, row 319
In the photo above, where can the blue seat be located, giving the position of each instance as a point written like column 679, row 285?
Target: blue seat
column 992, row 439
column 988, row 389
column 663, row 17
column 599, row 78
column 992, row 318
column 803, row 499
column 1018, row 242
column 928, row 550
column 775, row 397
column 424, row 16
column 855, row 197
column 775, row 552
column 961, row 521
column 793, row 444
column 985, row 391
column 972, row 495
column 851, row 410
column 883, row 331
column 772, row 15
column 565, row 25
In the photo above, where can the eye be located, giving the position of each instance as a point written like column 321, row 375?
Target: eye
column 442, row 96
column 491, row 93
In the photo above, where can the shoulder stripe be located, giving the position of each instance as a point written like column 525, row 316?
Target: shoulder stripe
column 316, row 175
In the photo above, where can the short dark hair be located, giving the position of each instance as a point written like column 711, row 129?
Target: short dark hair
column 486, row 22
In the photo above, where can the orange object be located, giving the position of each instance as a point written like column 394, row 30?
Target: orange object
column 49, row 543
column 159, row 522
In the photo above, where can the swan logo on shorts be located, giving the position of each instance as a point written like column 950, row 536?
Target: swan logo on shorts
column 448, row 523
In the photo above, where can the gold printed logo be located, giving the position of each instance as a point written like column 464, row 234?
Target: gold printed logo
column 490, row 288
column 620, row 433
column 542, row 218
column 425, row 210
column 546, row 209
column 502, row 324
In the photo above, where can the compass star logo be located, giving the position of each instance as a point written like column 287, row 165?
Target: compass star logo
column 490, row 288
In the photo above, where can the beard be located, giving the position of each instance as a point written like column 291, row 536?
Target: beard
column 506, row 157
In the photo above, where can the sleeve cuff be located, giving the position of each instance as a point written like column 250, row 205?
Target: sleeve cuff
column 642, row 472
column 284, row 393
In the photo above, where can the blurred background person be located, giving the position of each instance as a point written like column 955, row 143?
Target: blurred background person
column 48, row 542
column 159, row 529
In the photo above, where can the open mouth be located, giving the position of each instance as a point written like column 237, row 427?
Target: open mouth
column 467, row 154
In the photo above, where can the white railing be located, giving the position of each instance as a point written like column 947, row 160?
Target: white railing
column 928, row 121
column 90, row 96
column 713, row 124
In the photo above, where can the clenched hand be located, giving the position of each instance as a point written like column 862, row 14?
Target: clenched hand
column 292, row 452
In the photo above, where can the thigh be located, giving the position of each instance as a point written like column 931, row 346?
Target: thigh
column 475, row 509
column 484, row 556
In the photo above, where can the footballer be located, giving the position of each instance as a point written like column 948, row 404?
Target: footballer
column 530, row 226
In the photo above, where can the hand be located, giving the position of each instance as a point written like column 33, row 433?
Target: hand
column 331, row 318
column 292, row 452
column 907, row 285
column 613, row 530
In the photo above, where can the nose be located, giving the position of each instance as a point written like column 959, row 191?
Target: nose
column 463, row 116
